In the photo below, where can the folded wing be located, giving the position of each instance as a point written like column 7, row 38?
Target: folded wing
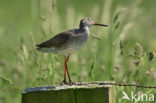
column 57, row 41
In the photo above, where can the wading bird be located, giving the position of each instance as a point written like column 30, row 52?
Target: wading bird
column 68, row 42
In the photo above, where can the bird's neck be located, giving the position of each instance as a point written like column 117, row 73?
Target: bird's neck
column 84, row 29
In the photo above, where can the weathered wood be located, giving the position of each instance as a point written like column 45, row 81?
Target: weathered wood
column 98, row 92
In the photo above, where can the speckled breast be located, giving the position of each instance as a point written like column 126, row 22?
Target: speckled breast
column 74, row 44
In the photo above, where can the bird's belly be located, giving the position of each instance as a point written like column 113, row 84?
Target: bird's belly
column 71, row 48
column 61, row 50
column 66, row 51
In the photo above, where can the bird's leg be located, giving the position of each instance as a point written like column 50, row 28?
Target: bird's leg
column 70, row 82
column 65, row 69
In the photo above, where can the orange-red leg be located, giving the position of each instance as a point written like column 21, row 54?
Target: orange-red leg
column 66, row 70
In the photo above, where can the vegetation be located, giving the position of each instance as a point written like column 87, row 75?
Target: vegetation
column 124, row 52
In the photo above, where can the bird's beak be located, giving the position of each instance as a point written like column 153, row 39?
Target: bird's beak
column 97, row 24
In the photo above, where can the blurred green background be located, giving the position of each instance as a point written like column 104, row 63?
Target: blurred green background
column 124, row 52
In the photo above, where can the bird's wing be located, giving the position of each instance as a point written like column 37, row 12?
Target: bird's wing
column 57, row 41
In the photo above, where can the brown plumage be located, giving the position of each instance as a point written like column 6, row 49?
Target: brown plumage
column 67, row 42
column 57, row 41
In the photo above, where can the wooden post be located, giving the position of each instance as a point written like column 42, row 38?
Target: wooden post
column 98, row 92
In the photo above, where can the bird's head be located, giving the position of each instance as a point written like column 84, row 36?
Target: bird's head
column 89, row 22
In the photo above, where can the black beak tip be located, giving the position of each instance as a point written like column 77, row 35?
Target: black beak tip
column 105, row 25
column 101, row 24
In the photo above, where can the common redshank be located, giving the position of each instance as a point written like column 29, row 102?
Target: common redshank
column 68, row 42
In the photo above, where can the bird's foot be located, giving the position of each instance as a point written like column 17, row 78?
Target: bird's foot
column 71, row 83
column 64, row 82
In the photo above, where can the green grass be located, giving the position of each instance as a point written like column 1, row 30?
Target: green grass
column 119, row 53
